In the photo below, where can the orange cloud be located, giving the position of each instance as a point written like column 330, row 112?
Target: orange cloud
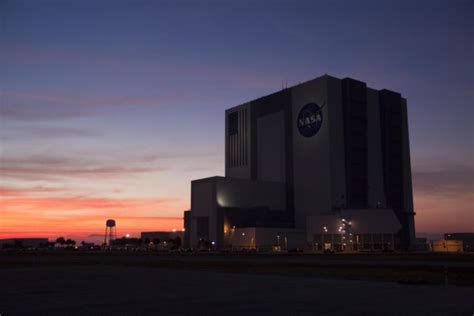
column 12, row 191
column 82, row 227
column 50, row 168
column 24, row 214
column 31, row 205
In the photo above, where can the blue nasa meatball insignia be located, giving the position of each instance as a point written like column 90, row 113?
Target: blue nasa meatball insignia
column 310, row 119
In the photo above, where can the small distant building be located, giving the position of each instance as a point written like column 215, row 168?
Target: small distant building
column 23, row 243
column 88, row 245
column 466, row 238
column 447, row 246
column 162, row 235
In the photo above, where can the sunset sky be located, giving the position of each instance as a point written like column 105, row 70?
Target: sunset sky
column 108, row 109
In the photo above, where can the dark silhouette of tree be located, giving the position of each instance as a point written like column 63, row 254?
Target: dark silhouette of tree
column 70, row 242
column 61, row 241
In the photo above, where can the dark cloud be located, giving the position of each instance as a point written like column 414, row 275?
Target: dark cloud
column 56, row 167
column 25, row 106
column 458, row 181
column 19, row 112
column 40, row 132
column 179, row 154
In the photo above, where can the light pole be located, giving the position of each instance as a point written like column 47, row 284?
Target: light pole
column 232, row 231
column 323, row 238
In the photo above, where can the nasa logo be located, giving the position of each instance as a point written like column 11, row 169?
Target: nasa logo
column 310, row 119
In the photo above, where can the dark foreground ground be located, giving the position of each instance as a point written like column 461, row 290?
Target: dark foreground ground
column 143, row 284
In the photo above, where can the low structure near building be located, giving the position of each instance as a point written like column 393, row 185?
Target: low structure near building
column 447, row 246
column 466, row 238
column 150, row 236
column 163, row 240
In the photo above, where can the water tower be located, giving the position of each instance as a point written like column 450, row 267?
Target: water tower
column 110, row 232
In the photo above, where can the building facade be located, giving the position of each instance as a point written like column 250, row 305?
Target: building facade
column 329, row 158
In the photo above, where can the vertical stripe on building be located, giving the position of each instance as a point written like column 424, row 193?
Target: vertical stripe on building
column 237, row 138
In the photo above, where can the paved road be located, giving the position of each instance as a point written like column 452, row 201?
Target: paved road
column 118, row 290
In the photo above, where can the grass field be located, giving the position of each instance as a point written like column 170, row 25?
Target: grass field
column 73, row 283
column 403, row 268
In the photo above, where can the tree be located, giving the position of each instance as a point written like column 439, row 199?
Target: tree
column 70, row 242
column 61, row 241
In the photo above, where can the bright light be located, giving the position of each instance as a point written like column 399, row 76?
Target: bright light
column 221, row 200
column 243, row 234
column 213, row 243
column 127, row 236
column 174, row 230
column 184, row 229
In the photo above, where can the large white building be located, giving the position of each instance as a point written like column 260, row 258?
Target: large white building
column 321, row 165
